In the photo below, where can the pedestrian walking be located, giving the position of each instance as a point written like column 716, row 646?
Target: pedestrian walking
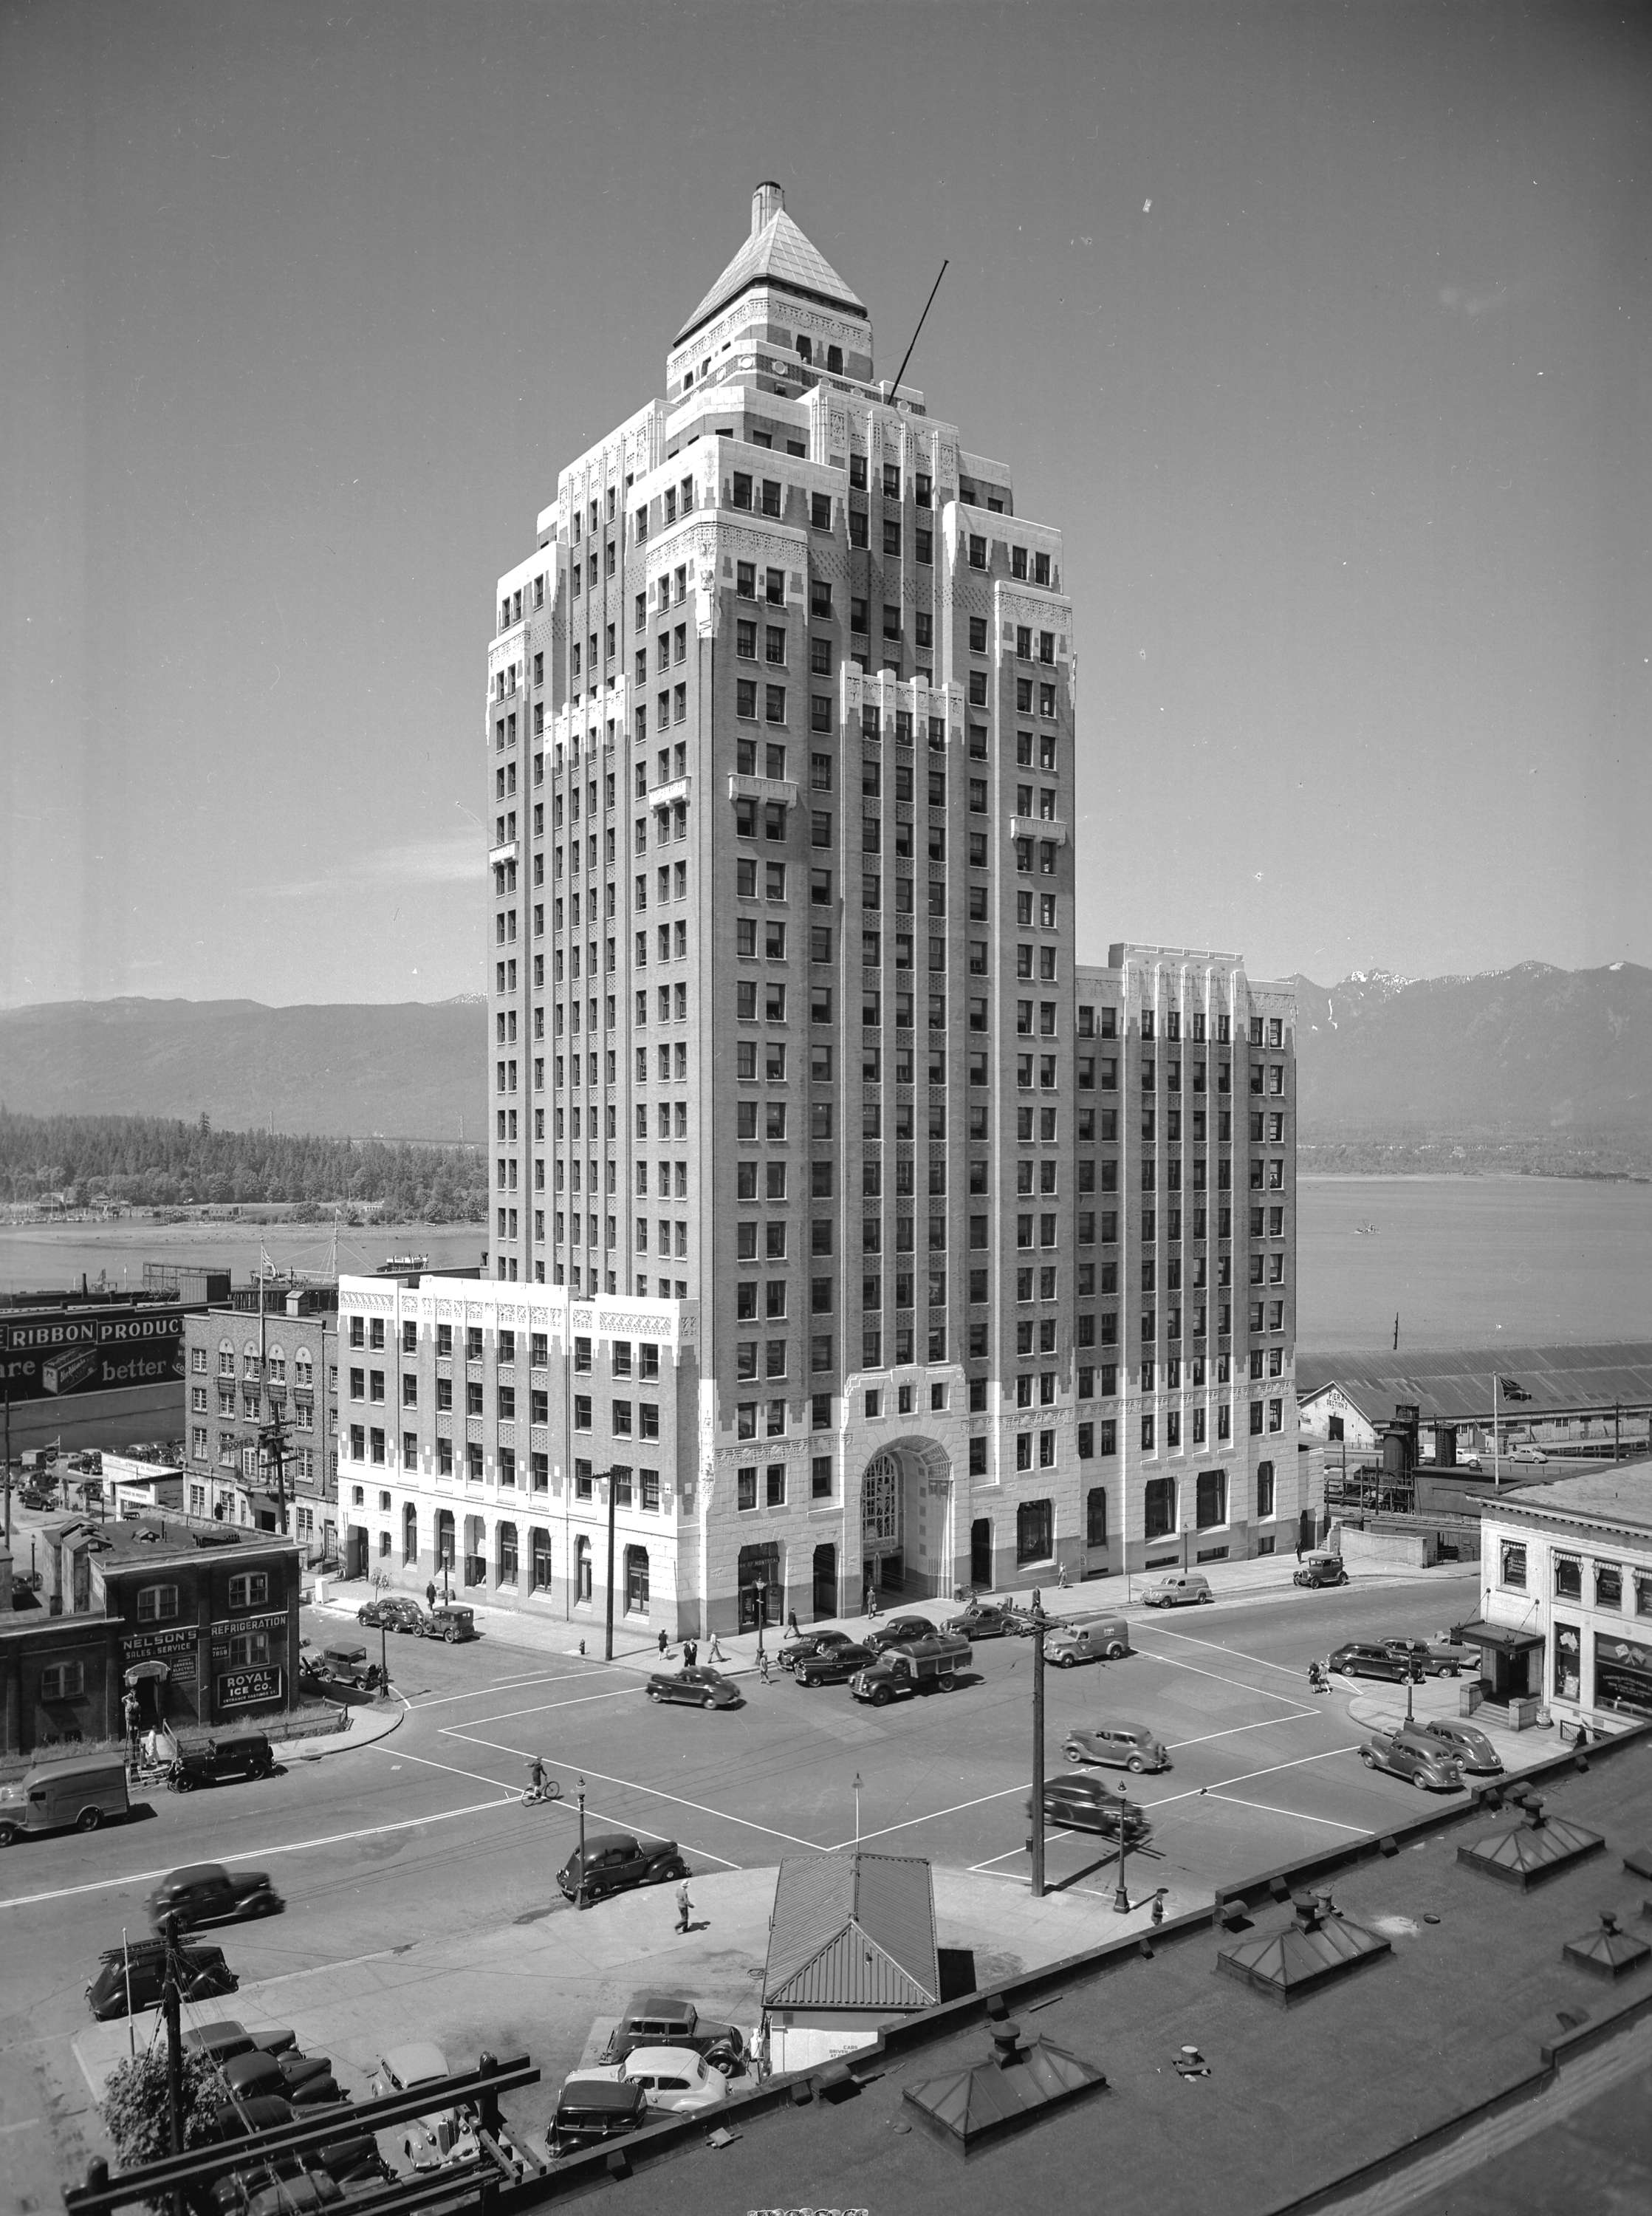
column 871, row 1598
column 1061, row 1575
column 691, row 1652
column 763, row 1664
column 1038, row 1602
column 716, row 1653
column 430, row 1594
column 1299, row 1544
column 129, row 1714
column 683, row 1906
column 792, row 1622
column 662, row 1639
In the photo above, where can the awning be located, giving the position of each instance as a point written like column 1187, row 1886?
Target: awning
column 140, row 1670
column 1497, row 1635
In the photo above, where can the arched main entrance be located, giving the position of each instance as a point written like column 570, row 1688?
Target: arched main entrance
column 907, row 1519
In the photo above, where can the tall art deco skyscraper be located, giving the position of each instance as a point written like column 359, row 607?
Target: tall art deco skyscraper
column 835, row 1213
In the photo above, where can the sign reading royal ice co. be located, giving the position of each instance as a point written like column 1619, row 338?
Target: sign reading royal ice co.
column 241, row 1688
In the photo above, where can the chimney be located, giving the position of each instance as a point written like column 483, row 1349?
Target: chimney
column 766, row 203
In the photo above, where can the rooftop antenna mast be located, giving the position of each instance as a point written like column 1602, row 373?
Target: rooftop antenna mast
column 928, row 304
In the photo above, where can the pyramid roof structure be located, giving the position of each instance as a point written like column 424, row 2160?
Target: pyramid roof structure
column 776, row 253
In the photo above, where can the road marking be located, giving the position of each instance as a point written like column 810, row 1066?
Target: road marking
column 1267, row 1723
column 24, row 2124
column 957, row 1808
column 1296, row 1814
column 1261, row 1692
column 501, row 1685
column 1286, row 1670
column 1350, row 1746
column 540, row 1709
column 297, row 1847
column 652, row 1792
column 475, row 1777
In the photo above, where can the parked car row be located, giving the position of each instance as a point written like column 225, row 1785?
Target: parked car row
column 447, row 1621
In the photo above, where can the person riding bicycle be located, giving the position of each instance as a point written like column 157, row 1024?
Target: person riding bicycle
column 1318, row 1678
column 537, row 1778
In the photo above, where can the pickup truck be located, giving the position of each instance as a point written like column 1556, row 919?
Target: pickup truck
column 914, row 1665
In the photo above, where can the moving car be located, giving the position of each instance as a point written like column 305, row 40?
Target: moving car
column 343, row 1666
column 32, row 1497
column 1430, row 1769
column 1177, row 1589
column 1467, row 1461
column 203, row 1974
column 392, row 1612
column 1473, row 1751
column 615, row 1860
column 1438, row 1657
column 987, row 1620
column 1530, row 1454
column 810, row 1643
column 449, row 1623
column 1363, row 1658
column 666, row 2020
column 590, row 2111
column 1086, row 1804
column 1107, row 1636
column 832, row 1665
column 701, row 1687
column 898, row 1630
column 446, row 2135
column 672, row 2079
column 206, row 1893
column 61, row 1796
column 1321, row 1570
column 247, row 1754
column 1124, row 1746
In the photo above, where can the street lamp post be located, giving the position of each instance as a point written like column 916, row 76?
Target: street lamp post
column 857, row 1808
column 1120, row 1898
column 1038, row 1754
column 578, row 1890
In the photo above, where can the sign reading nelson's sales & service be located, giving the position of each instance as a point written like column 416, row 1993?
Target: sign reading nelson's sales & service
column 240, row 1689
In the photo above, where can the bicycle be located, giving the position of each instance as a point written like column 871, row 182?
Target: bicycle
column 541, row 1790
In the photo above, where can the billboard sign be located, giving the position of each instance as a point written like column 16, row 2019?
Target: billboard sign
column 59, row 1357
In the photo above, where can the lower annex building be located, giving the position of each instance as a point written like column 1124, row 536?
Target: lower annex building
column 855, row 1228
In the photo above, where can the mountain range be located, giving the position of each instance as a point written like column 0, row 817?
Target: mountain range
column 1532, row 1057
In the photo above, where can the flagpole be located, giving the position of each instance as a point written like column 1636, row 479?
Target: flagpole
column 1497, row 1474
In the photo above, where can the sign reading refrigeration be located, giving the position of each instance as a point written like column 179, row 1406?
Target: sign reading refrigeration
column 54, row 1356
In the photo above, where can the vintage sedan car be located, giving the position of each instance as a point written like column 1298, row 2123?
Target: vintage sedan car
column 701, row 1687
column 1473, row 1751
column 1533, row 1456
column 1320, row 1570
column 392, row 1612
column 141, row 1968
column 898, row 1629
column 1430, row 1769
column 1124, row 1746
column 1438, row 1657
column 590, row 2111
column 615, row 1860
column 986, row 1620
column 445, row 2136
column 667, row 2019
column 305, row 2080
column 450, row 1623
column 1087, row 1804
column 1363, row 1658
column 247, row 1754
column 206, row 1893
column 672, row 2079
column 833, row 1665
column 810, row 1643
column 223, row 2041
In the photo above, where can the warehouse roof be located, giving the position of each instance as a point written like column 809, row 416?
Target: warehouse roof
column 1454, row 1383
column 852, row 1931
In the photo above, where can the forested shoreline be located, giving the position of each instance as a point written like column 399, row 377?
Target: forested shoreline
column 146, row 1161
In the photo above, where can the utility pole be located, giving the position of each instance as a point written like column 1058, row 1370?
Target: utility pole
column 578, row 1890
column 170, row 2006
column 7, row 1387
column 1038, row 1754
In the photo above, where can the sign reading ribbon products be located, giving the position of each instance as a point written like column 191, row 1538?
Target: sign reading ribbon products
column 54, row 1356
column 241, row 1688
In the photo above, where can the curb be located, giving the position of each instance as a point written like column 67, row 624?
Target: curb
column 288, row 1751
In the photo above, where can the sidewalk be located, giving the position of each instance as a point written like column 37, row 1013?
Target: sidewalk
column 1266, row 1578
column 369, row 1721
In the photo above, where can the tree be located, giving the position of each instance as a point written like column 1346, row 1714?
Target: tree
column 134, row 2105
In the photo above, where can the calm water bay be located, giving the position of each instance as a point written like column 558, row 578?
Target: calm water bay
column 1464, row 1260
column 1468, row 1261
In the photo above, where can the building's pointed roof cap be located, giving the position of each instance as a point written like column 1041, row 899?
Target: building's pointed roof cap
column 776, row 253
